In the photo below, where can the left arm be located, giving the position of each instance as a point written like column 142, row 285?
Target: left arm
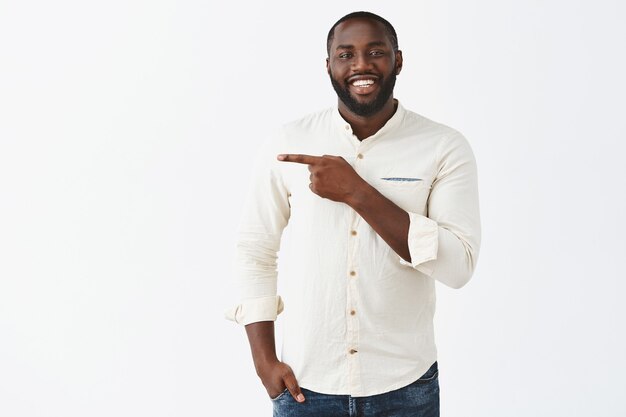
column 388, row 220
column 443, row 245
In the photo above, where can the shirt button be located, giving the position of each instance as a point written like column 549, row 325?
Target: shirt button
column 353, row 233
column 352, row 312
column 347, row 127
column 352, row 273
column 352, row 351
column 360, row 156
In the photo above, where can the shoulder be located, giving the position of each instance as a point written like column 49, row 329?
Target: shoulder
column 289, row 136
column 413, row 120
column 447, row 140
column 309, row 122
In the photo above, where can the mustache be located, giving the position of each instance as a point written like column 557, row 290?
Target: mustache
column 368, row 108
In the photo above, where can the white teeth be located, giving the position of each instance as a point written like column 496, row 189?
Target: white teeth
column 363, row 83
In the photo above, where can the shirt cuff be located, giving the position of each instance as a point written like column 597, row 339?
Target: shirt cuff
column 423, row 243
column 256, row 309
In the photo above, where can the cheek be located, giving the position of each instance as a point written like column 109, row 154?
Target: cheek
column 338, row 70
column 334, row 75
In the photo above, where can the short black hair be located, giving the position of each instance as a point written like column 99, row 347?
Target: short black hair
column 391, row 32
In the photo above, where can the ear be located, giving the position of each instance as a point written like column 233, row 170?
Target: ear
column 328, row 65
column 398, row 62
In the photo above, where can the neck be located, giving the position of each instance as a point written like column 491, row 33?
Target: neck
column 364, row 127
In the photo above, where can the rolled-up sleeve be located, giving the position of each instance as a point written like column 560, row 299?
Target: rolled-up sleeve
column 265, row 215
column 445, row 243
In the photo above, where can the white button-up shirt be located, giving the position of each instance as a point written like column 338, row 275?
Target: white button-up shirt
column 357, row 318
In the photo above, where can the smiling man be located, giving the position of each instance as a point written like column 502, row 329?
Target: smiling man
column 381, row 203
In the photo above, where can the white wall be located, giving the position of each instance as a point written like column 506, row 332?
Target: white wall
column 127, row 130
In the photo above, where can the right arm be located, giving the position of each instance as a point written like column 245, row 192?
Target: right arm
column 265, row 215
column 275, row 375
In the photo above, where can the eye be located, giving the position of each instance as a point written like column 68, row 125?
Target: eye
column 345, row 55
column 377, row 53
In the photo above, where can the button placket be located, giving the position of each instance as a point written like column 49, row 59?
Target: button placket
column 352, row 319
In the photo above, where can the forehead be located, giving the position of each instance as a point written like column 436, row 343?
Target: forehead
column 359, row 31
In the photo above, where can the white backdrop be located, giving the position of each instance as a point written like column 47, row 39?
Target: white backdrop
column 127, row 129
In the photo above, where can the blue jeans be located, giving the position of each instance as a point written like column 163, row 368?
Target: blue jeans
column 419, row 399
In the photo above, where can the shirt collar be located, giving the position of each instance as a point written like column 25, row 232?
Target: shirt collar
column 391, row 124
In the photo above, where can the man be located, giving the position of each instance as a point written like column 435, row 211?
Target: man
column 387, row 206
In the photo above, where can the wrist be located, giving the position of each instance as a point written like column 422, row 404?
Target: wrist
column 263, row 365
column 359, row 196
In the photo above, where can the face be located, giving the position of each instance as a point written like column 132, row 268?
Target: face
column 363, row 66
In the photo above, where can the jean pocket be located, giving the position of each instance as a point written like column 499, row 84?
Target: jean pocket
column 430, row 375
column 279, row 396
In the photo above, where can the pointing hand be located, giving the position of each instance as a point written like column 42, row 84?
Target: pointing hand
column 331, row 176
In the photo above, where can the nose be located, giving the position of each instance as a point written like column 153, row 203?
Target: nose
column 361, row 62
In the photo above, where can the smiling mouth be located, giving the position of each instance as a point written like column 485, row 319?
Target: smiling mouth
column 362, row 83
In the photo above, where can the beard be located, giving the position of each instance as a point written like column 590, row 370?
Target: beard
column 369, row 108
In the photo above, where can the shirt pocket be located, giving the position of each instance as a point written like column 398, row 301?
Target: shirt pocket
column 409, row 194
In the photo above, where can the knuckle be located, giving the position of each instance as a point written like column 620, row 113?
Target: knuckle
column 291, row 384
column 286, row 372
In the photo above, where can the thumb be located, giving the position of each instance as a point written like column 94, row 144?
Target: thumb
column 293, row 387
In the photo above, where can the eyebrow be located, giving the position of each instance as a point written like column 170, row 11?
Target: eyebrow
column 375, row 43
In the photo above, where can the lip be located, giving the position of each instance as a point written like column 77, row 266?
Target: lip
column 363, row 77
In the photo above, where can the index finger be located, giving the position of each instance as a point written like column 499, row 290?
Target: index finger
column 299, row 158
